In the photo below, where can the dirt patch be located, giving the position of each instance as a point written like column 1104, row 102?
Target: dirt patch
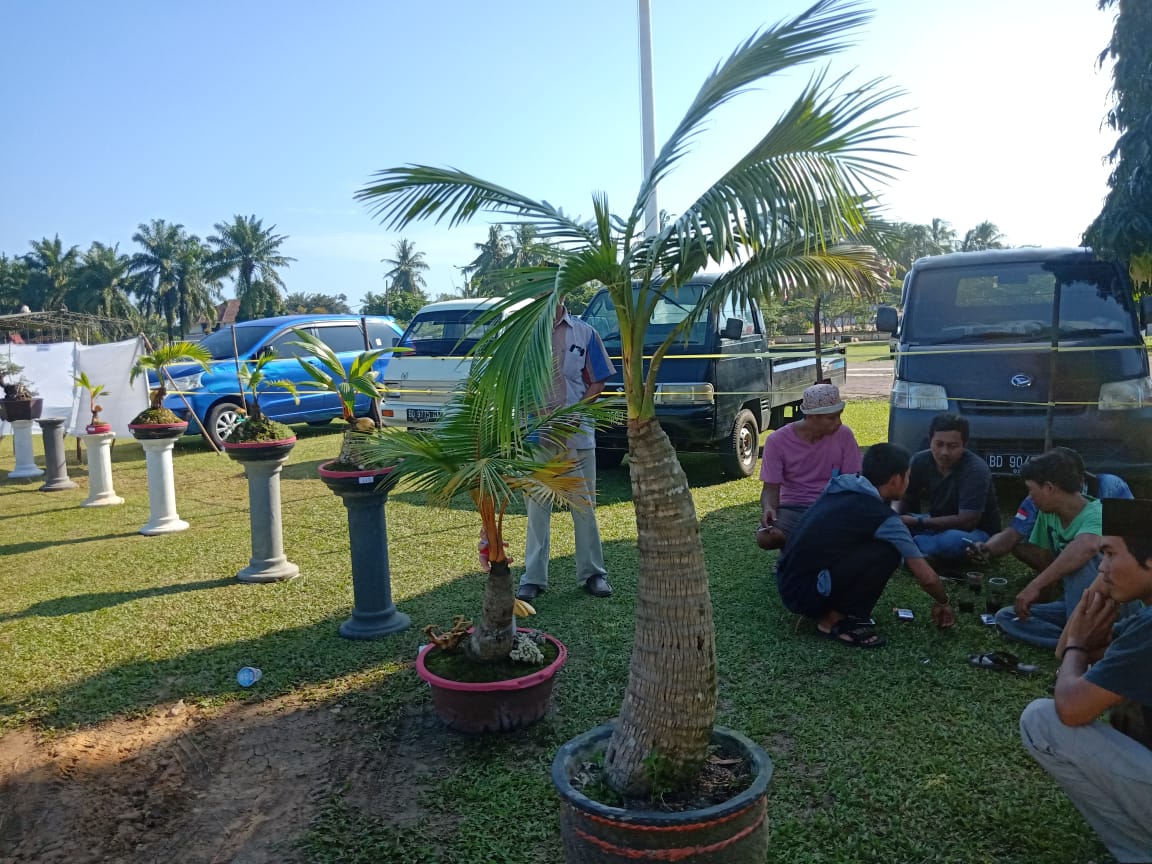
column 235, row 784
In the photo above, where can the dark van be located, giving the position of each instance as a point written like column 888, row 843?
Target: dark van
column 1034, row 347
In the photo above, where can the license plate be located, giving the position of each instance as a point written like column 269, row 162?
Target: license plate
column 423, row 415
column 1006, row 463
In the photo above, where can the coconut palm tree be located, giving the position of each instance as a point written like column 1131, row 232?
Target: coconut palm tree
column 166, row 355
column 196, row 294
column 155, row 269
column 250, row 253
column 781, row 217
column 53, row 272
column 104, row 283
column 984, row 236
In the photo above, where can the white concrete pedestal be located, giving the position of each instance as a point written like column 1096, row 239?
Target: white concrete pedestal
column 100, row 492
column 25, row 460
column 161, row 488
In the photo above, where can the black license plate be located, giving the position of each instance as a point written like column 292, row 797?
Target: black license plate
column 423, row 415
column 1006, row 463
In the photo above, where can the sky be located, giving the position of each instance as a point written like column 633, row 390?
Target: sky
column 122, row 111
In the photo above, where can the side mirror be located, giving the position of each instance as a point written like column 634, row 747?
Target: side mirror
column 733, row 328
column 887, row 319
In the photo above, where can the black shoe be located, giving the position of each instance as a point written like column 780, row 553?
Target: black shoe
column 529, row 592
column 598, row 586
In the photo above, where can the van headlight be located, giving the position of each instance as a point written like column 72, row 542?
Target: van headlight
column 187, row 382
column 1125, row 395
column 922, row 397
column 685, row 394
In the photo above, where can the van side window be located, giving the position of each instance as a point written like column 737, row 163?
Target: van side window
column 736, row 309
column 342, row 338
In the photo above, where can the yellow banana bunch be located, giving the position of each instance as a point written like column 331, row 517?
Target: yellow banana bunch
column 522, row 609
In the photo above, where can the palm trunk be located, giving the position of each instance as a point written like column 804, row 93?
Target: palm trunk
column 492, row 638
column 669, row 708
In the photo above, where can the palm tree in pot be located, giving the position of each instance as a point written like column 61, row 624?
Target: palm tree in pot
column 790, row 212
column 258, row 429
column 156, row 362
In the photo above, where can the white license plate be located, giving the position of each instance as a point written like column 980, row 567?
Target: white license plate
column 1006, row 463
column 423, row 415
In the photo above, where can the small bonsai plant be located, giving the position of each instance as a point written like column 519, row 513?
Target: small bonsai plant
column 94, row 391
column 257, row 427
column 15, row 385
column 359, row 379
column 470, row 451
column 165, row 355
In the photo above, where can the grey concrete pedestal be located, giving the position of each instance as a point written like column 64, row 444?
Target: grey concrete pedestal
column 55, row 460
column 25, row 456
column 100, row 491
column 268, row 562
column 163, row 518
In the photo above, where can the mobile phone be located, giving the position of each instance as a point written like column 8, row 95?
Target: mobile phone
column 905, row 614
column 985, row 618
column 966, row 540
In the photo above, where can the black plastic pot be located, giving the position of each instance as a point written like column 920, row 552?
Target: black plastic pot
column 735, row 832
column 20, row 409
column 259, row 451
column 157, row 431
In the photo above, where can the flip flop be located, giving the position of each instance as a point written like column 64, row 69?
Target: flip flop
column 1001, row 661
column 852, row 633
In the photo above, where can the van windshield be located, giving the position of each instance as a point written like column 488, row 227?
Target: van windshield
column 1013, row 302
column 671, row 308
column 441, row 332
column 219, row 344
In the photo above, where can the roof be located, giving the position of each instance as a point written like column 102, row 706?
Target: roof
column 987, row 257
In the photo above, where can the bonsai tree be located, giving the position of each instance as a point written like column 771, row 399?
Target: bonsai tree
column 94, row 392
column 468, row 452
column 15, row 386
column 789, row 213
column 257, row 427
column 156, row 362
column 358, row 379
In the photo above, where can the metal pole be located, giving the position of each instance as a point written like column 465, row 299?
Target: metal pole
column 647, row 120
column 1052, row 367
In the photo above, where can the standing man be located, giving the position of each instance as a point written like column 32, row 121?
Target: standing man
column 1106, row 769
column 580, row 366
column 950, row 500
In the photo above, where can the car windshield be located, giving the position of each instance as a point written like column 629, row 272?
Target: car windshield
column 1013, row 303
column 219, row 344
column 671, row 308
column 441, row 332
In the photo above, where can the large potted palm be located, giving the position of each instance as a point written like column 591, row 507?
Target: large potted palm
column 789, row 213
column 499, row 681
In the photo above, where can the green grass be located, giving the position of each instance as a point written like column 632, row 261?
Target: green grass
column 902, row 754
column 861, row 352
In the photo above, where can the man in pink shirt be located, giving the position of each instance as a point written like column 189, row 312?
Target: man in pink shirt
column 800, row 459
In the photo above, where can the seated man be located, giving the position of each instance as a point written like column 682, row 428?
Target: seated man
column 847, row 546
column 800, row 459
column 1106, row 769
column 1067, row 536
column 950, row 499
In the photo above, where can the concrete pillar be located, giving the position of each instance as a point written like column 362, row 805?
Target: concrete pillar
column 55, row 457
column 268, row 562
column 100, row 492
column 25, row 460
column 163, row 518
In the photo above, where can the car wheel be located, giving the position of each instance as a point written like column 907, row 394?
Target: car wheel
column 738, row 453
column 606, row 460
column 221, row 420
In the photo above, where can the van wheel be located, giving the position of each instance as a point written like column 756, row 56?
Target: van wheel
column 606, row 460
column 738, row 453
column 221, row 420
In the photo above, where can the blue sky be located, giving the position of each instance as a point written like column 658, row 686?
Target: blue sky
column 120, row 111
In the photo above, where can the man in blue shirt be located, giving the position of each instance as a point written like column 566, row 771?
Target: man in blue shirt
column 580, row 366
column 1106, row 769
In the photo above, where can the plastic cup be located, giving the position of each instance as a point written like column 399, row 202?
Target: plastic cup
column 248, row 676
column 997, row 591
column 975, row 581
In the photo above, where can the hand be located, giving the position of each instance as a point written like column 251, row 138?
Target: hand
column 943, row 616
column 1024, row 601
column 978, row 553
column 1091, row 622
column 910, row 520
column 768, row 518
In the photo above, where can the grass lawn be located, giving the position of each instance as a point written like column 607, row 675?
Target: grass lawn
column 903, row 754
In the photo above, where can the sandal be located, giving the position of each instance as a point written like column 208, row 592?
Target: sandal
column 1001, row 661
column 849, row 632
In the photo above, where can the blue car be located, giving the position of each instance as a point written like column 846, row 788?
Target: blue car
column 211, row 401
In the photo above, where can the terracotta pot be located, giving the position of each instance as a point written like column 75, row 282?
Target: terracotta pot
column 20, row 409
column 259, row 451
column 157, row 431
column 98, row 428
column 494, row 706
column 734, row 832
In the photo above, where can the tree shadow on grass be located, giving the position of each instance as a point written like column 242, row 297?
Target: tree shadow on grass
column 18, row 548
column 80, row 603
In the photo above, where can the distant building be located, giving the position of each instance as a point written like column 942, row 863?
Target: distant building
column 226, row 313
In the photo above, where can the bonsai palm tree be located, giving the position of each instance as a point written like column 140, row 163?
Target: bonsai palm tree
column 165, row 355
column 258, row 427
column 785, row 215
column 94, row 391
column 467, row 451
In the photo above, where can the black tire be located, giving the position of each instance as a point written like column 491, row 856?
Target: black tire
column 739, row 452
column 606, row 460
column 221, row 420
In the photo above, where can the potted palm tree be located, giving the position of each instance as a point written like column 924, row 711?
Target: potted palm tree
column 97, row 443
column 793, row 211
column 258, row 437
column 95, row 426
column 491, row 676
column 157, row 422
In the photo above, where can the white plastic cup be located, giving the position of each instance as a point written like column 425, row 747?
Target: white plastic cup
column 248, row 676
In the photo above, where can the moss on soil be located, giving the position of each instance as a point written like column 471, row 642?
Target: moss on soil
column 156, row 415
column 258, row 430
column 456, row 667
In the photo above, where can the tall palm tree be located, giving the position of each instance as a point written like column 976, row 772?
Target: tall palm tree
column 14, row 275
column 104, row 283
column 155, row 268
column 783, row 214
column 406, row 268
column 53, row 270
column 196, row 294
column 492, row 256
column 942, row 235
column 984, row 236
column 250, row 253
